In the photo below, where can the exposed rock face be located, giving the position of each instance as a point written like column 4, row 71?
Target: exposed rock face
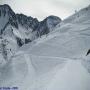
column 15, row 20
column 48, row 24
column 27, row 22
column 19, row 29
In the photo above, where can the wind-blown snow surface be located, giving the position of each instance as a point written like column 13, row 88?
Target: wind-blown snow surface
column 53, row 62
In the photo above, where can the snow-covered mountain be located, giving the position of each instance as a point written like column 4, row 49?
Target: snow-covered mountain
column 56, row 61
column 48, row 24
column 19, row 29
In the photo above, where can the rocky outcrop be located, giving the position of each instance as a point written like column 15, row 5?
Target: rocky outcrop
column 19, row 29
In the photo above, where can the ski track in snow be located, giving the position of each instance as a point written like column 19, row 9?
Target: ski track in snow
column 58, row 76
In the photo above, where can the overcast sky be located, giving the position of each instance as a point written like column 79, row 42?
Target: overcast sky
column 43, row 8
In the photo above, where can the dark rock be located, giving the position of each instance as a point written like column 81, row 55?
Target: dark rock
column 48, row 24
column 15, row 20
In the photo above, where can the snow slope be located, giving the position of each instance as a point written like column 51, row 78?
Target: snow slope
column 56, row 61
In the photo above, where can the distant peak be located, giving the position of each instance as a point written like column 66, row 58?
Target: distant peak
column 5, row 6
column 52, row 17
column 6, row 9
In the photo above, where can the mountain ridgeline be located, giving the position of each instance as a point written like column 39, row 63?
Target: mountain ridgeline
column 27, row 22
column 19, row 29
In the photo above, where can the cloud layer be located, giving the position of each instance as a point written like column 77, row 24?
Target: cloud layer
column 43, row 8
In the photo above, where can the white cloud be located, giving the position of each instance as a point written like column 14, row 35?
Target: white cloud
column 43, row 8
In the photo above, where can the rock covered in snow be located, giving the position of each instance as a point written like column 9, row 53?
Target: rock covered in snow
column 48, row 24
column 19, row 29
